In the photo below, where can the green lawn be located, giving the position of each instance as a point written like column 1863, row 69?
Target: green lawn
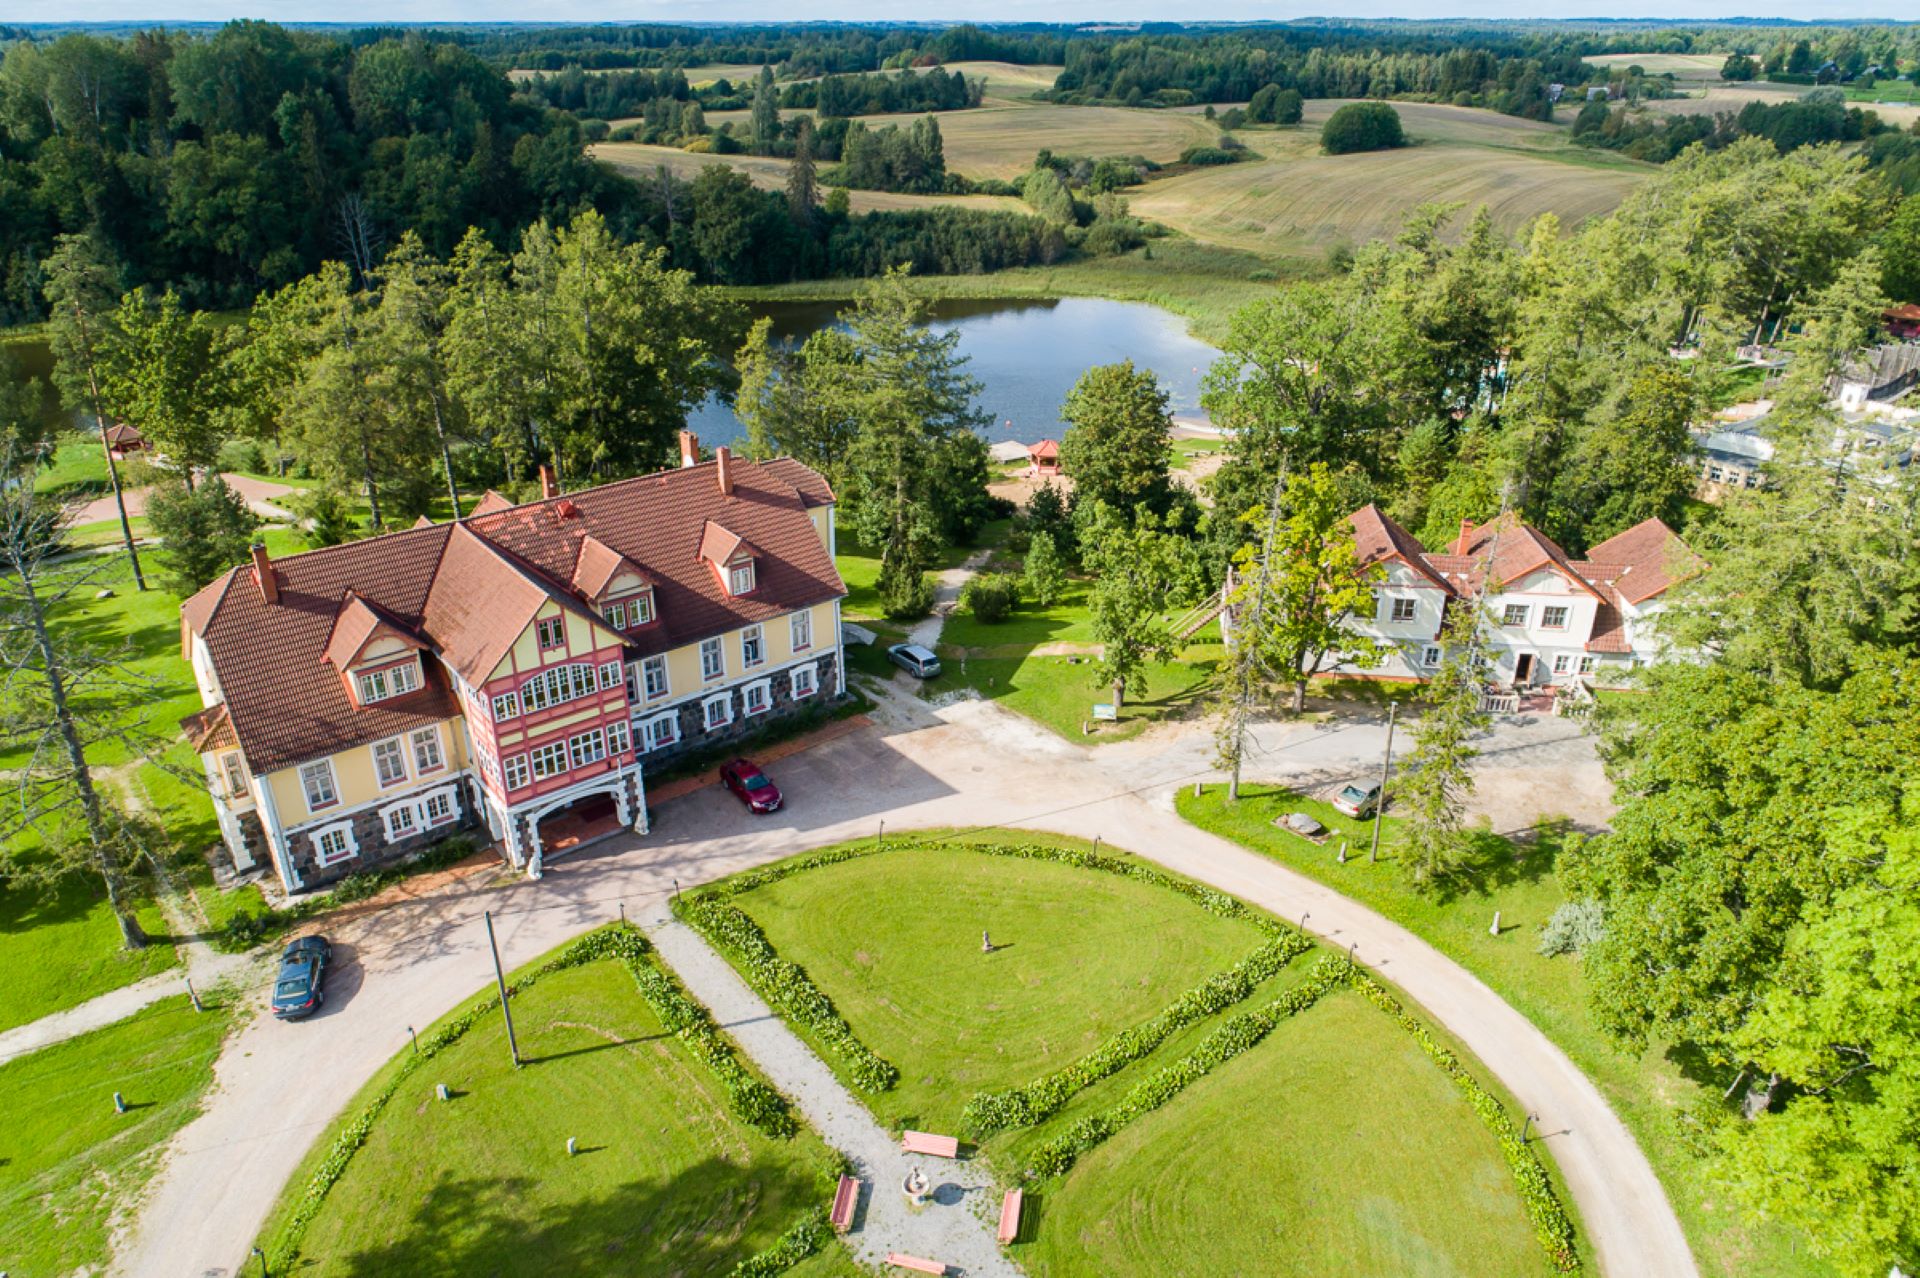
column 1648, row 1091
column 70, row 1167
column 1334, row 1147
column 1061, row 692
column 668, row 1180
column 62, row 946
column 894, row 940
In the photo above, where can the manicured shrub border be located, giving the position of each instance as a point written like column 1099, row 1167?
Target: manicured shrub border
column 757, row 1103
column 1241, row 1032
column 1035, row 1102
column 806, row 1236
column 786, row 986
column 1549, row 1216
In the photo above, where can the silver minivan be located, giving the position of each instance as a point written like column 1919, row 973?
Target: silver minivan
column 914, row 659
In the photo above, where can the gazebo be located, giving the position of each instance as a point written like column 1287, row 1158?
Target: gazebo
column 1045, row 457
column 123, row 439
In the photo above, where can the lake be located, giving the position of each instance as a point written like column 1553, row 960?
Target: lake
column 1027, row 353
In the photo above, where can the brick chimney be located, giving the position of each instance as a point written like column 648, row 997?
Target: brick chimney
column 689, row 449
column 1466, row 532
column 548, row 489
column 723, row 467
column 265, row 574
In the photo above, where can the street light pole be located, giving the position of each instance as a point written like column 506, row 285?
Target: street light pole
column 1380, row 799
column 263, row 1262
column 501, row 977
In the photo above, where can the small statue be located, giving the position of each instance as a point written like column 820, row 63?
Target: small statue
column 986, row 942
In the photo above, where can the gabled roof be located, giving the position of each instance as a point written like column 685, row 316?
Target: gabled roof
column 1517, row 549
column 1376, row 537
column 1651, row 557
column 120, row 434
column 210, row 729
column 355, row 626
column 598, row 565
column 720, row 545
column 483, row 599
column 489, row 503
column 1044, row 449
column 808, row 482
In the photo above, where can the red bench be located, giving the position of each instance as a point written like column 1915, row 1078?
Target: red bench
column 900, row 1260
column 1010, row 1214
column 928, row 1143
column 845, row 1198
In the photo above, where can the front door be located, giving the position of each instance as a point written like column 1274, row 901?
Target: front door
column 1523, row 670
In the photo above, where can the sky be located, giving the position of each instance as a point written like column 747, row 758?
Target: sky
column 403, row 11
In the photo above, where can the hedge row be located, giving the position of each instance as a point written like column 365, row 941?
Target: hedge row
column 1213, row 902
column 785, row 985
column 990, row 1112
column 668, row 1001
column 1244, row 1031
column 808, row 1235
column 1550, row 1223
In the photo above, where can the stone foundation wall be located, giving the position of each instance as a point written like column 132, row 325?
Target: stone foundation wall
column 695, row 738
column 370, row 832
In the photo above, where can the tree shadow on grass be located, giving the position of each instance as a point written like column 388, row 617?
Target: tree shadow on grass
column 1492, row 860
column 694, row 1223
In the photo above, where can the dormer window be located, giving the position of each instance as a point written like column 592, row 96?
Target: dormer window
column 394, row 681
column 630, row 613
column 552, row 632
column 740, row 578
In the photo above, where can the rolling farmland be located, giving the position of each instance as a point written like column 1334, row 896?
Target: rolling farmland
column 639, row 161
column 1296, row 201
column 1681, row 66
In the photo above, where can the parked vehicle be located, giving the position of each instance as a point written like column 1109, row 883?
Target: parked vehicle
column 303, row 967
column 755, row 788
column 914, row 659
column 1357, row 800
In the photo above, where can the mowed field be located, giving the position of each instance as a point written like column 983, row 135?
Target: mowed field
column 1297, row 201
column 640, row 162
column 1717, row 99
column 1681, row 66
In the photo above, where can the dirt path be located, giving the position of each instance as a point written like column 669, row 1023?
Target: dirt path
column 968, row 764
column 260, row 494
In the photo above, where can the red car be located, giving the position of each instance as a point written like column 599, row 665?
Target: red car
column 756, row 790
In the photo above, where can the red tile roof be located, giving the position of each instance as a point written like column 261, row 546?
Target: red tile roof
column 209, row 729
column 808, row 482
column 1651, row 557
column 470, row 588
column 357, row 622
column 1517, row 550
column 489, row 503
column 1044, row 449
column 598, row 565
column 1376, row 537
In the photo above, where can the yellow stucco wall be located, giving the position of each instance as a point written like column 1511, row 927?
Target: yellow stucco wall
column 683, row 663
column 354, row 779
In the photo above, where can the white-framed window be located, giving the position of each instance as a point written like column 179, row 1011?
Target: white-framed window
column 437, row 807
column 426, row 750
column 753, row 647
column 548, row 760
column 1403, row 610
column 800, row 631
column 618, row 738
column 713, row 658
column 1562, row 663
column 740, row 578
column 653, row 677
column 616, row 615
column 1553, row 617
column 506, row 706
column 609, row 675
column 552, row 631
column 235, row 770
column 1515, row 615
column 757, row 697
column 333, row 844
column 558, row 684
column 1430, row 656
column 805, row 681
column 717, row 712
column 379, row 685
column 389, row 762
column 514, row 772
column 640, row 609
column 587, row 747
column 661, row 730
column 316, row 779
column 1587, row 664
column 403, row 820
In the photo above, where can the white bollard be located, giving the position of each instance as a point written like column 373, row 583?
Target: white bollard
column 440, row 1090
column 572, row 1148
column 1495, row 929
column 119, row 1103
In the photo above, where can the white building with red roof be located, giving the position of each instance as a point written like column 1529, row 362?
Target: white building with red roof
column 514, row 670
column 1550, row 618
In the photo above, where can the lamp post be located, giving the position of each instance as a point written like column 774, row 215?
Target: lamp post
column 1380, row 799
column 263, row 1262
column 500, row 977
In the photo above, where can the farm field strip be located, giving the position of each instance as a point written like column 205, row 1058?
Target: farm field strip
column 639, row 161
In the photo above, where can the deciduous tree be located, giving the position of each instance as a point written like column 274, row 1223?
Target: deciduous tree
column 1437, row 776
column 1119, row 438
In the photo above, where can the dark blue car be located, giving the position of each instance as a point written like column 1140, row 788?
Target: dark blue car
column 296, row 990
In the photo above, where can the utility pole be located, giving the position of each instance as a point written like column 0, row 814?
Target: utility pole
column 1245, row 654
column 501, row 977
column 1380, row 799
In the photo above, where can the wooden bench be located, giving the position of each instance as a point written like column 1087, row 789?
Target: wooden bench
column 845, row 1198
column 1010, row 1214
column 928, row 1143
column 900, row 1260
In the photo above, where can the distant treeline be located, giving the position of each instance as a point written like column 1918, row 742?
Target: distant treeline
column 1788, row 125
column 614, row 95
column 931, row 90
